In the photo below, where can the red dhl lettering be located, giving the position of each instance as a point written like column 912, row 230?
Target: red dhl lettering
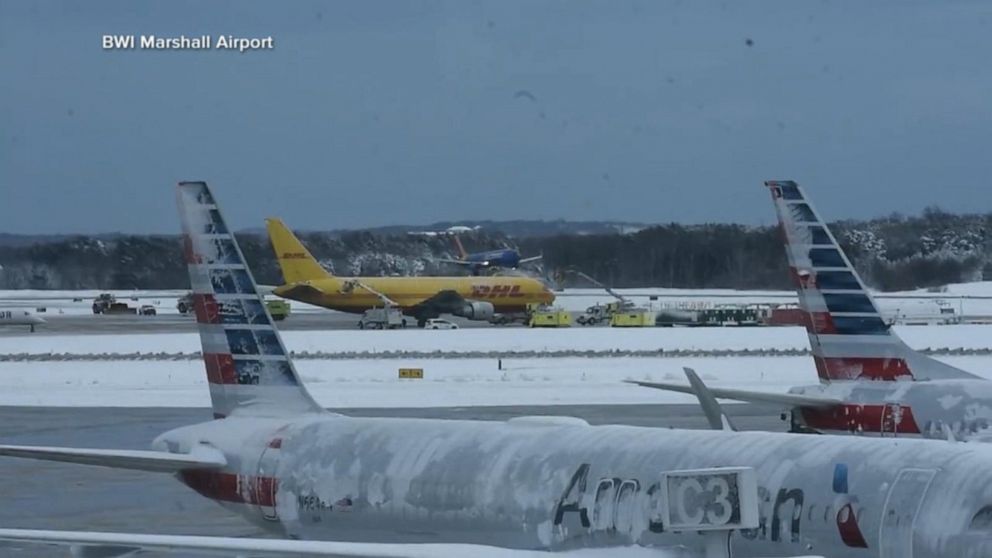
column 496, row 291
column 294, row 256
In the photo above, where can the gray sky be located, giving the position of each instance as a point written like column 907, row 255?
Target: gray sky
column 372, row 113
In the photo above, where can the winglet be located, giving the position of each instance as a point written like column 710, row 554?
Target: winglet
column 711, row 408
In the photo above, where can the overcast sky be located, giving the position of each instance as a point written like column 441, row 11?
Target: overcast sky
column 373, row 113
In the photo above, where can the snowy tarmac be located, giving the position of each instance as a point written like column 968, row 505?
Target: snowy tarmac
column 47, row 495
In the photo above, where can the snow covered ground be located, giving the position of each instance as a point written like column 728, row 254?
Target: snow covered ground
column 447, row 382
column 372, row 381
column 498, row 339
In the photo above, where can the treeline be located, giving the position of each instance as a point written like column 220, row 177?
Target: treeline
column 892, row 253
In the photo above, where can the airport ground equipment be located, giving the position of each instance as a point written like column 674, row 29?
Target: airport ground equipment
column 102, row 302
column 387, row 317
column 620, row 313
column 279, row 309
column 599, row 313
column 635, row 317
column 716, row 316
column 550, row 317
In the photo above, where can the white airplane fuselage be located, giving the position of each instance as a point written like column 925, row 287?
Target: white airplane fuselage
column 20, row 317
column 540, row 484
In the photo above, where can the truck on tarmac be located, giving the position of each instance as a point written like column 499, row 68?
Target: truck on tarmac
column 382, row 318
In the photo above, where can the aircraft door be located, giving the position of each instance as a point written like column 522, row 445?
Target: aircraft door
column 899, row 513
column 266, row 484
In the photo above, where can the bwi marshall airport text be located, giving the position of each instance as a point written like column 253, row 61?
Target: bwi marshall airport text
column 182, row 42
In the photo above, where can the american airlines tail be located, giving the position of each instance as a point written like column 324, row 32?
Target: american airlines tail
column 848, row 337
column 248, row 369
column 296, row 262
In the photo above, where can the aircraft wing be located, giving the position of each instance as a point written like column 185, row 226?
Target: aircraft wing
column 445, row 301
column 531, row 259
column 155, row 461
column 480, row 263
column 787, row 399
column 118, row 544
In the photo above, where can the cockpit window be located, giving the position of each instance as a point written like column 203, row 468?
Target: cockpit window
column 982, row 520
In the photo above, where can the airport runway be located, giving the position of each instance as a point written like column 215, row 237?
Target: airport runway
column 44, row 495
column 172, row 323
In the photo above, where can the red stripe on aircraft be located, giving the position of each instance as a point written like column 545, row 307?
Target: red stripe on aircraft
column 206, row 309
column 220, row 368
column 890, row 419
column 862, row 368
column 820, row 323
column 847, row 526
column 229, row 487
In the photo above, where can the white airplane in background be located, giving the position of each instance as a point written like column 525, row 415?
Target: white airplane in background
column 871, row 382
column 18, row 317
column 514, row 488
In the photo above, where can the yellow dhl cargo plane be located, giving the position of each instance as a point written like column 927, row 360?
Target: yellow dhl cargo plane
column 475, row 298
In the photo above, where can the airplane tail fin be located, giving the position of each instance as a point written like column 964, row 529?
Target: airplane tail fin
column 295, row 260
column 248, row 368
column 458, row 246
column 848, row 337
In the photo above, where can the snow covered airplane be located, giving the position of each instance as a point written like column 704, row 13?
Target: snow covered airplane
column 516, row 488
column 20, row 317
column 871, row 382
column 504, row 258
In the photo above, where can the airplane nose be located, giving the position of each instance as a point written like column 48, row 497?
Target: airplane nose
column 35, row 319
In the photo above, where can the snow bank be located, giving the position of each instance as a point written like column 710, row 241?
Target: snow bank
column 375, row 383
column 499, row 339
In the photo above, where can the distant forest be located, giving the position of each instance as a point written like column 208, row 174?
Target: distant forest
column 892, row 253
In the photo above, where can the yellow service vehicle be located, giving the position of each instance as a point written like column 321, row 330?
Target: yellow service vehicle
column 279, row 309
column 543, row 316
column 638, row 317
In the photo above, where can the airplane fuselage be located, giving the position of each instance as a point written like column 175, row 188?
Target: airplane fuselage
column 535, row 483
column 20, row 317
column 506, row 258
column 506, row 294
column 903, row 408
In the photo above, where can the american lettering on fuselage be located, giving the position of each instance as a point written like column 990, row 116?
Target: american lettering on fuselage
column 616, row 506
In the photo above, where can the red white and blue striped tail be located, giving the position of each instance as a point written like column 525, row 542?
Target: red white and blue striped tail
column 248, row 369
column 848, row 337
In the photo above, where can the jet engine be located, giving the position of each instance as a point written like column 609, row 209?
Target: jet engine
column 476, row 311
